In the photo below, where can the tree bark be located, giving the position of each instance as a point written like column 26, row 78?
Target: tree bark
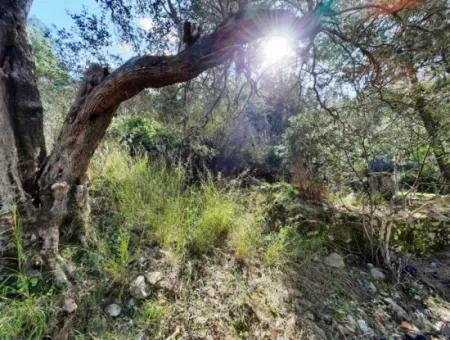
column 54, row 188
column 22, row 145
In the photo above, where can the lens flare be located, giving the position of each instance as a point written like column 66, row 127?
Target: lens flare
column 275, row 49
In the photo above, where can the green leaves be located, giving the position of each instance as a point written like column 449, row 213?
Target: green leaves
column 48, row 66
column 142, row 134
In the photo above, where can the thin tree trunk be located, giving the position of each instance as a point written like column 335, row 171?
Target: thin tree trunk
column 432, row 127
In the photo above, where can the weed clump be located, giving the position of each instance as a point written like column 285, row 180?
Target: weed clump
column 26, row 316
column 151, row 200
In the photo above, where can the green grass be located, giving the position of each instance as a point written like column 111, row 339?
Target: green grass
column 291, row 244
column 117, row 258
column 18, row 237
column 28, row 317
column 27, row 305
column 152, row 199
column 246, row 237
column 216, row 215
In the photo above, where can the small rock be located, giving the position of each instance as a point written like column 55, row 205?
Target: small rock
column 153, row 277
column 138, row 288
column 371, row 287
column 334, row 260
column 405, row 325
column 201, row 320
column 363, row 326
column 345, row 330
column 131, row 303
column 143, row 335
column 295, row 293
column 427, row 312
column 377, row 274
column 113, row 310
column 445, row 330
column 399, row 312
column 211, row 292
column 351, row 321
column 327, row 318
column 310, row 316
column 69, row 305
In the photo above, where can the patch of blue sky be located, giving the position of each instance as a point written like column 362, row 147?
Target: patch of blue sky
column 55, row 12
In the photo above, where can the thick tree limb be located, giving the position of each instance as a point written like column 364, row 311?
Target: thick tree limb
column 209, row 51
column 81, row 136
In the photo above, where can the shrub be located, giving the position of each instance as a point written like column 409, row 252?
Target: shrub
column 309, row 188
column 139, row 133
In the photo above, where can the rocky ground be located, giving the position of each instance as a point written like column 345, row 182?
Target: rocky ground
column 332, row 294
column 322, row 298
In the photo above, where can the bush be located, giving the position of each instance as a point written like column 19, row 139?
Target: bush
column 139, row 133
column 143, row 135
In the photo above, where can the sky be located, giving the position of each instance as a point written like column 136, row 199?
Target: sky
column 54, row 12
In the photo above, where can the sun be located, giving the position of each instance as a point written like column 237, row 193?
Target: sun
column 275, row 49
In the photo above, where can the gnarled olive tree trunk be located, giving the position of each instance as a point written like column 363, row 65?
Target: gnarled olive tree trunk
column 52, row 189
column 22, row 146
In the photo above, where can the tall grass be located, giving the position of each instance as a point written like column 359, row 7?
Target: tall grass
column 27, row 318
column 291, row 244
column 26, row 303
column 152, row 199
column 18, row 237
